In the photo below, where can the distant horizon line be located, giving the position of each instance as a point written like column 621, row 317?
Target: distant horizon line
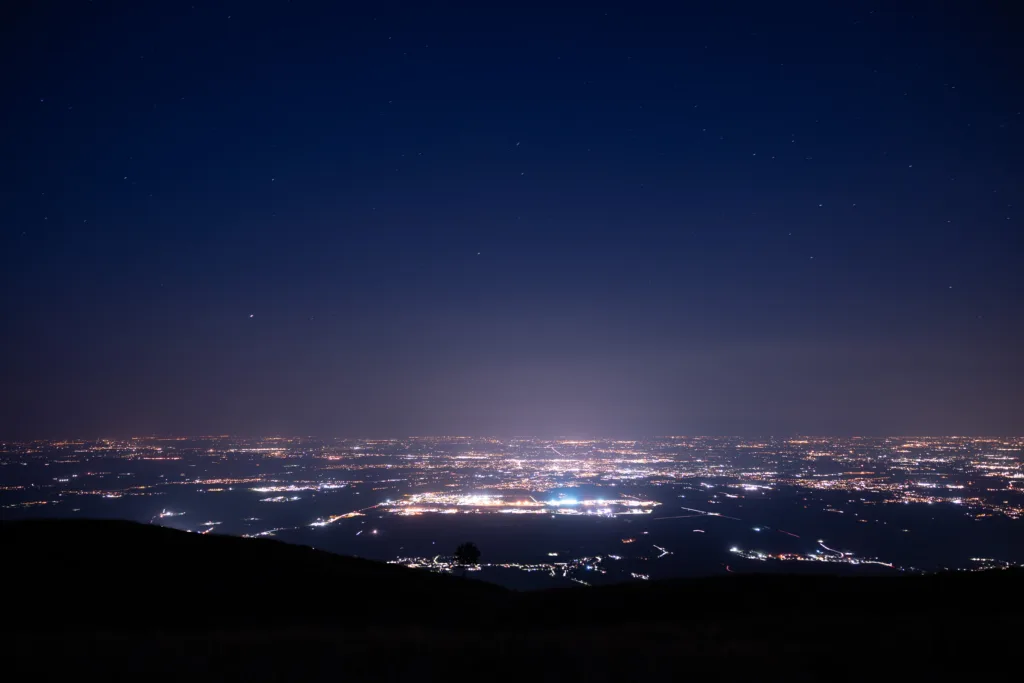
column 795, row 435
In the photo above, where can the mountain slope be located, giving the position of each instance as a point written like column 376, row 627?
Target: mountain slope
column 143, row 601
column 124, row 575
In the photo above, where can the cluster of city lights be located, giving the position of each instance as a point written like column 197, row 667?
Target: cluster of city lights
column 343, row 484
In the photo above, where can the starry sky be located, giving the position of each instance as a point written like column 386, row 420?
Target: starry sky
column 387, row 219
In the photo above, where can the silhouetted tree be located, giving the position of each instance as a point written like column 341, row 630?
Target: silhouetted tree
column 467, row 554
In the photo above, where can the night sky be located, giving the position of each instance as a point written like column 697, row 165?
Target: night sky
column 377, row 219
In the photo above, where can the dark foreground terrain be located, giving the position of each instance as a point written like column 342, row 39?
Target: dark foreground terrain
column 103, row 600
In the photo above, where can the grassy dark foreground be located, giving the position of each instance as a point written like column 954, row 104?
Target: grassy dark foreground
column 86, row 600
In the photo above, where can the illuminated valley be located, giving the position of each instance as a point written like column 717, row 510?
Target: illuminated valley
column 550, row 511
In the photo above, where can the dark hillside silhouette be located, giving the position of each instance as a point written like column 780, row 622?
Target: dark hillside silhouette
column 125, row 597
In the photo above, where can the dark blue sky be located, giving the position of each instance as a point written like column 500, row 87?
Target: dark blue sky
column 388, row 219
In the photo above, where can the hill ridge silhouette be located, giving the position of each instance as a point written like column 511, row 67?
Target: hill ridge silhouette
column 123, row 595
